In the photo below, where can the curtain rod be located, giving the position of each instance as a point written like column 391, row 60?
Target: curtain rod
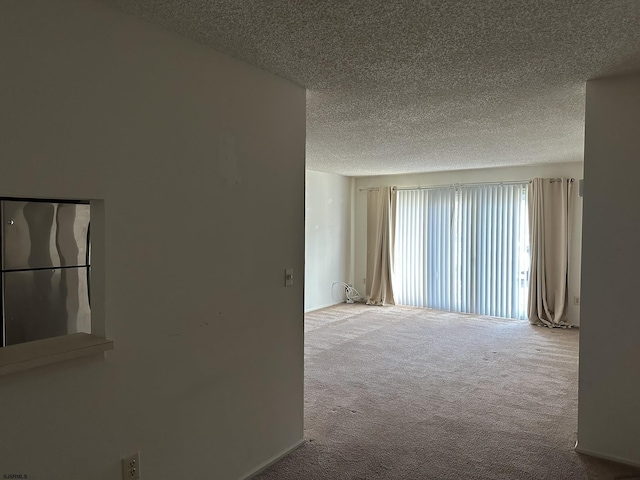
column 453, row 185
column 571, row 180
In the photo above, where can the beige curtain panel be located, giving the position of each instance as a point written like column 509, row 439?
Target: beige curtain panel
column 550, row 215
column 381, row 213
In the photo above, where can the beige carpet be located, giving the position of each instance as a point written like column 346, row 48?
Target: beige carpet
column 409, row 393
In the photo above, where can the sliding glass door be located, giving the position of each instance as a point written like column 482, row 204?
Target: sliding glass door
column 463, row 248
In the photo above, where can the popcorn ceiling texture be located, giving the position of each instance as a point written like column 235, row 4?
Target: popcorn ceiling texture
column 402, row 86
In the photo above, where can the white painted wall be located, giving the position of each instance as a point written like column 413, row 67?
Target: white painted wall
column 572, row 169
column 327, row 238
column 609, row 397
column 200, row 162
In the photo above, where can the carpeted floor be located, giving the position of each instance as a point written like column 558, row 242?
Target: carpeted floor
column 409, row 393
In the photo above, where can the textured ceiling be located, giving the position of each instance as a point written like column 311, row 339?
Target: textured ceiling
column 418, row 86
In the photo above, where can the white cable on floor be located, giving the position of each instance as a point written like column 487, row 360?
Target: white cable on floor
column 351, row 294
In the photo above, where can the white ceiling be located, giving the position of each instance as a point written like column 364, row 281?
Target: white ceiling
column 401, row 86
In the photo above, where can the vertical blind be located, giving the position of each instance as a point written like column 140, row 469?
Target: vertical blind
column 463, row 249
column 423, row 258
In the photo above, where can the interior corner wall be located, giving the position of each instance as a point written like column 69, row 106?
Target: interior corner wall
column 609, row 387
column 327, row 239
column 569, row 169
column 200, row 161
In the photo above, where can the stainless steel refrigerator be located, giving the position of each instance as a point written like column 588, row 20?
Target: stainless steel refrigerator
column 46, row 269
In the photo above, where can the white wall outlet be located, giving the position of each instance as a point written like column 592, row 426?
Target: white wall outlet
column 288, row 277
column 131, row 467
column 576, row 300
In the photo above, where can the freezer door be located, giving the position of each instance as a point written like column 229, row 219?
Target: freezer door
column 44, row 234
column 45, row 303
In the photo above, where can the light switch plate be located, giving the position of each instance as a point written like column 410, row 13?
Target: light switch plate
column 288, row 277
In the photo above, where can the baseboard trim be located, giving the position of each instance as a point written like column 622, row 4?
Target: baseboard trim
column 604, row 456
column 266, row 464
column 322, row 307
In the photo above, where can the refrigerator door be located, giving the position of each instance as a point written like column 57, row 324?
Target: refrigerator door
column 45, row 303
column 44, row 234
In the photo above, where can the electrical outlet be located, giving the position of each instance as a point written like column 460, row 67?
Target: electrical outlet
column 576, row 300
column 131, row 467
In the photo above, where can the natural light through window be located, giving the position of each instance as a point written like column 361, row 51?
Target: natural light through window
column 463, row 248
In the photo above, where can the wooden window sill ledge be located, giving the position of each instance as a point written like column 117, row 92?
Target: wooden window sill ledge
column 25, row 356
